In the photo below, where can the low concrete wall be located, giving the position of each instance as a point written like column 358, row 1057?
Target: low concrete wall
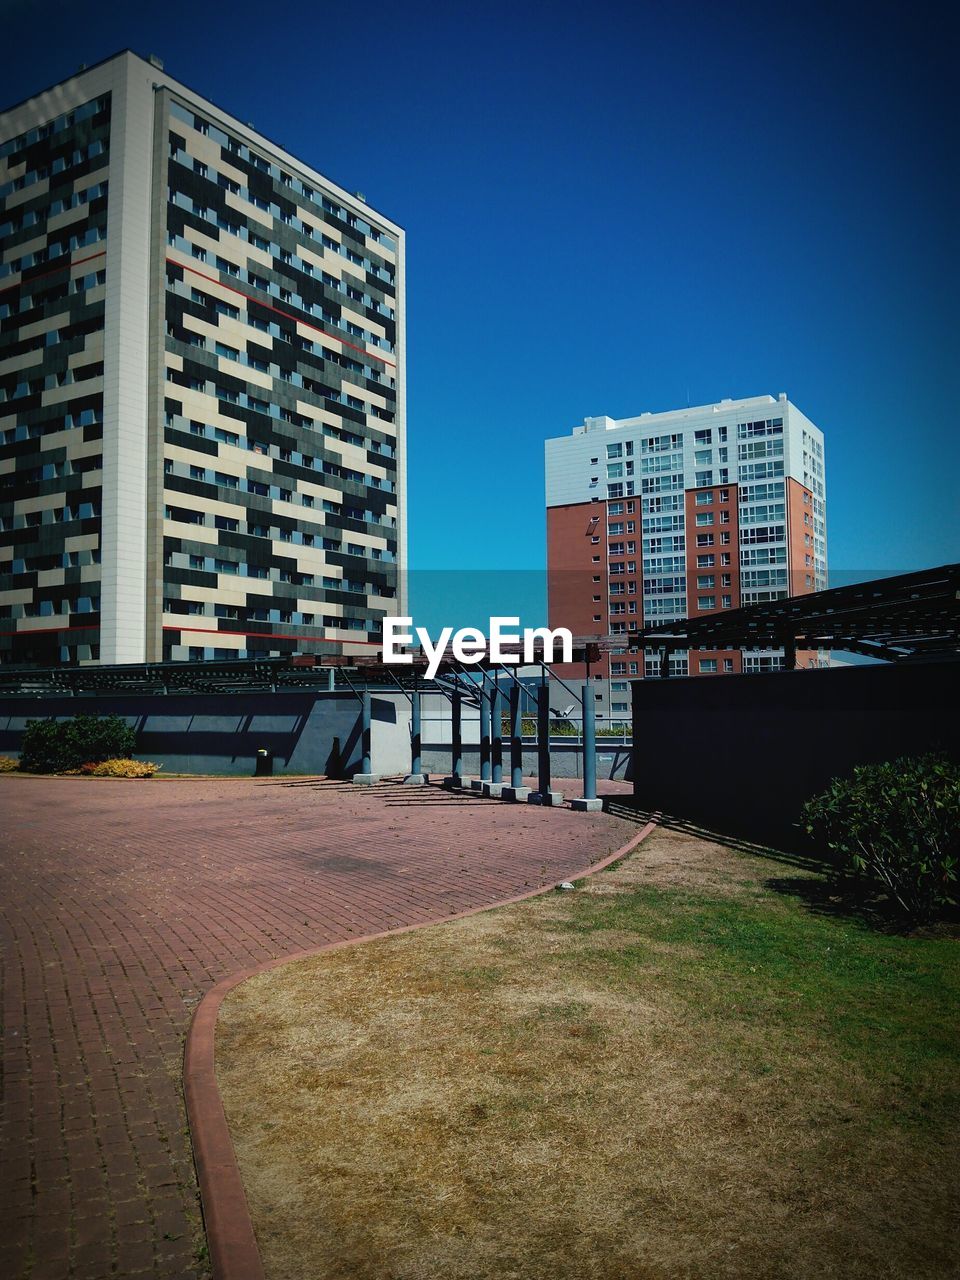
column 742, row 753
column 306, row 732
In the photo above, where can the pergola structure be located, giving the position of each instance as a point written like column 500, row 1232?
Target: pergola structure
column 908, row 617
column 490, row 685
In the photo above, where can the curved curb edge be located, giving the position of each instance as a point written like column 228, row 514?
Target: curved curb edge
column 234, row 1253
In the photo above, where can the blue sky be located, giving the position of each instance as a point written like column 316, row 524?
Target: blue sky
column 609, row 209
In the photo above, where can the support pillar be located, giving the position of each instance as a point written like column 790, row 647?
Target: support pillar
column 365, row 777
column 516, row 789
column 589, row 803
column 543, row 794
column 456, row 741
column 478, row 783
column 416, row 776
column 495, row 786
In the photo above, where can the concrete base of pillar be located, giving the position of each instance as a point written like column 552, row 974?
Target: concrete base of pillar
column 416, row 780
column 456, row 782
column 365, row 779
column 517, row 794
column 553, row 799
column 586, row 806
column 493, row 789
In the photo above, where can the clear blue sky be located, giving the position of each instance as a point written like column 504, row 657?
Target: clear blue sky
column 613, row 208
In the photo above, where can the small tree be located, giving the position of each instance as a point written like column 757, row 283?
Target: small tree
column 896, row 825
column 52, row 746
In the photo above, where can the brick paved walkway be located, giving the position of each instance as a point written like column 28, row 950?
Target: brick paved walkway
column 123, row 902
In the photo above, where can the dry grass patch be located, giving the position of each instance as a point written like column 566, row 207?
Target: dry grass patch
column 673, row 1072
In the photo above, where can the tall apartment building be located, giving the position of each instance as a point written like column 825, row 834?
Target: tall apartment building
column 201, row 384
column 670, row 515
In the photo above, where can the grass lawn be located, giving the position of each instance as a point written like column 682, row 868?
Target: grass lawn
column 676, row 1071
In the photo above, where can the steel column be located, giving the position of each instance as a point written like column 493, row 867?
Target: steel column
column 543, row 738
column 496, row 731
column 416, row 762
column 456, row 737
column 484, row 736
column 589, row 745
column 365, row 721
column 516, row 738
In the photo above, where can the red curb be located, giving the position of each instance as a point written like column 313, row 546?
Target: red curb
column 234, row 1254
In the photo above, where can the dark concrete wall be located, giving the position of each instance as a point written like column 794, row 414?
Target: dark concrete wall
column 315, row 733
column 741, row 753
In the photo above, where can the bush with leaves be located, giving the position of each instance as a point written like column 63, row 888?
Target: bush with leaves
column 53, row 746
column 897, row 827
column 121, row 769
column 8, row 764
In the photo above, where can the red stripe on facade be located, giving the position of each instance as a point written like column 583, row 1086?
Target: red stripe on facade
column 269, row 635
column 286, row 314
column 53, row 271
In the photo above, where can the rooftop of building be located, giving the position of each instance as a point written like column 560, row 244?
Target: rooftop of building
column 689, row 413
column 354, row 200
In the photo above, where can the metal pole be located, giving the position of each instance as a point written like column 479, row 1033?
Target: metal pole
column 484, row 736
column 456, row 740
column 543, row 738
column 516, row 738
column 589, row 746
column 496, row 731
column 416, row 763
column 365, row 719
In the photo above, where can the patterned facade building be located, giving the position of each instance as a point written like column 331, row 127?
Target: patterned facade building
column 201, row 385
column 673, row 515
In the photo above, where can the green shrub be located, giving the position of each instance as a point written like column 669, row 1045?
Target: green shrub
column 896, row 826
column 53, row 746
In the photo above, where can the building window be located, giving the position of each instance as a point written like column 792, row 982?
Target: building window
column 706, row 602
column 708, row 666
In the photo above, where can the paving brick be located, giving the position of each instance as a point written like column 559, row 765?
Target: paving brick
column 128, row 901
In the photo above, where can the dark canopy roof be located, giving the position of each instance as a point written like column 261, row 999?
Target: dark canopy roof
column 907, row 616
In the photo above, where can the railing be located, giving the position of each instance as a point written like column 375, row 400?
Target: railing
column 563, row 733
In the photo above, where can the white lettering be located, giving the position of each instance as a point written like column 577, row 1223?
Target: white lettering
column 499, row 637
column 436, row 651
column 532, row 634
column 396, row 632
column 469, row 645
